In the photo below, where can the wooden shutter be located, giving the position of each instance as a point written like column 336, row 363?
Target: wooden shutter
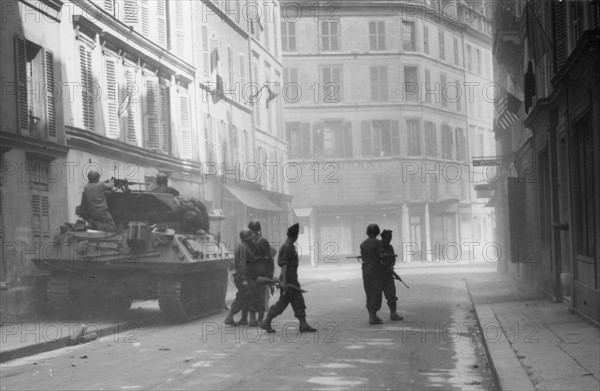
column 87, row 92
column 560, row 35
column 50, row 95
column 112, row 98
column 185, row 131
column 161, row 13
column 132, row 13
column 131, row 88
column 165, row 128
column 395, row 125
column 21, row 78
column 367, row 149
column 152, row 114
column 109, row 6
column 179, row 44
column 40, row 207
column 206, row 53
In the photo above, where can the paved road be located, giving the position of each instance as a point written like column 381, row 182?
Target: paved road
column 435, row 347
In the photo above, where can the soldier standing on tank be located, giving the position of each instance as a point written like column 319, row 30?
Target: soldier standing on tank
column 264, row 266
column 388, row 260
column 244, row 254
column 162, row 185
column 93, row 203
column 372, row 272
column 288, row 261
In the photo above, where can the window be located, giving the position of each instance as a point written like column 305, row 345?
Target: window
column 330, row 35
column 298, row 139
column 461, row 145
column 411, row 84
column 36, row 115
column 288, row 36
column 443, row 89
column 157, row 125
column 413, row 135
column 447, row 142
column 408, row 29
column 230, row 81
column 380, row 138
column 428, row 86
column 87, row 86
column 331, row 79
column 130, row 96
column 469, row 58
column 478, row 54
column 379, row 83
column 426, row 39
column 458, row 96
column 185, row 126
column 111, row 73
column 290, row 75
column 257, row 105
column 332, row 139
column 242, row 72
column 377, row 35
column 442, row 44
column 430, row 139
column 456, row 61
column 584, row 195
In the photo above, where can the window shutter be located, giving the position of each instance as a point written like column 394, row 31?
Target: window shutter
column 165, row 128
column 395, row 137
column 242, row 71
column 306, row 152
column 40, row 206
column 179, row 35
column 366, row 138
column 145, row 17
column 50, row 96
column 206, row 54
column 185, row 131
column 21, row 77
column 109, row 6
column 560, row 35
column 112, row 123
column 85, row 61
column 132, row 13
column 161, row 11
column 595, row 14
column 152, row 116
column 131, row 88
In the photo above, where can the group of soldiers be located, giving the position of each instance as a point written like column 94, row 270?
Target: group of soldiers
column 378, row 260
column 254, row 259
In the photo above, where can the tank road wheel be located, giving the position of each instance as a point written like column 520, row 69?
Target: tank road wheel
column 185, row 299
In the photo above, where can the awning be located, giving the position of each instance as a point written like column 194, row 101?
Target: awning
column 253, row 199
column 303, row 212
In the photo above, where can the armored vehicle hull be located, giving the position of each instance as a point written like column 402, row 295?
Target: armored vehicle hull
column 164, row 258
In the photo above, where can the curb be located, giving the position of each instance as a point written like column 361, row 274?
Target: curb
column 44, row 347
column 506, row 368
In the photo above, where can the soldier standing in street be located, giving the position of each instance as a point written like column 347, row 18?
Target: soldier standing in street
column 265, row 268
column 244, row 254
column 288, row 261
column 388, row 260
column 372, row 272
column 93, row 203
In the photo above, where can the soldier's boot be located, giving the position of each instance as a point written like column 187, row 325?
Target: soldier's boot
column 394, row 315
column 304, row 327
column 261, row 316
column 373, row 318
column 266, row 324
column 253, row 322
column 229, row 319
column 244, row 319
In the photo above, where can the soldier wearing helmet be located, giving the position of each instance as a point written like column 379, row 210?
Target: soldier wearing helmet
column 93, row 203
column 245, row 253
column 264, row 266
column 388, row 260
column 162, row 185
column 372, row 272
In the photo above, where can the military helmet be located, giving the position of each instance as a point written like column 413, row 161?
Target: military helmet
column 246, row 235
column 161, row 178
column 254, row 225
column 373, row 229
column 293, row 230
column 93, row 175
column 386, row 232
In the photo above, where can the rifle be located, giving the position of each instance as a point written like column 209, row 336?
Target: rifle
column 123, row 184
column 276, row 282
column 396, row 276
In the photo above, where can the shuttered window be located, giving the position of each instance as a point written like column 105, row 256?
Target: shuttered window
column 40, row 207
column 206, row 52
column 165, row 122
column 179, row 44
column 161, row 28
column 430, row 140
column 560, row 35
column 413, row 133
column 185, row 131
column 152, row 113
column 447, row 142
column 132, row 90
column 50, row 94
column 87, row 92
column 380, row 138
column 112, row 98
column 21, row 76
column 585, row 197
column 461, row 145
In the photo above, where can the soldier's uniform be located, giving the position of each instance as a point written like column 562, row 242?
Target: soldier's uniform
column 388, row 262
column 93, row 204
column 245, row 253
column 372, row 272
column 288, row 258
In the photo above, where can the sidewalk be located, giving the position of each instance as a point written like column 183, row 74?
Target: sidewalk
column 533, row 343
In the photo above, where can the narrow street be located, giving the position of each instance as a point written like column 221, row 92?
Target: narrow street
column 435, row 347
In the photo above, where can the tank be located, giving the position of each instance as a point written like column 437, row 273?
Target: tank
column 163, row 251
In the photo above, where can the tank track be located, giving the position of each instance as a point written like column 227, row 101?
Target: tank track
column 59, row 298
column 187, row 299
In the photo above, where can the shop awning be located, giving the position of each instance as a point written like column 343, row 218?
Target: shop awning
column 253, row 199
